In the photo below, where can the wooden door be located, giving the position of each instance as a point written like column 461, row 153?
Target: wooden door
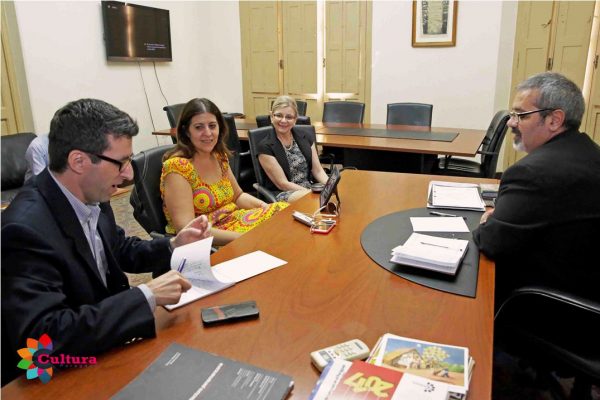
column 573, row 28
column 9, row 107
column 345, row 50
column 551, row 36
column 261, row 54
column 593, row 109
column 300, row 54
column 532, row 43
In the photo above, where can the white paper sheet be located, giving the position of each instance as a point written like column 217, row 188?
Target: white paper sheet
column 454, row 195
column 246, row 266
column 439, row 224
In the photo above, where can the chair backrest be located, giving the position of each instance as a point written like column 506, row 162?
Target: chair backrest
column 173, row 112
column 255, row 136
column 344, row 111
column 409, row 114
column 14, row 165
column 301, row 107
column 233, row 144
column 145, row 196
column 265, row 120
column 552, row 326
column 493, row 142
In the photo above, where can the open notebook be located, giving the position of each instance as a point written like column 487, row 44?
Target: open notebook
column 193, row 261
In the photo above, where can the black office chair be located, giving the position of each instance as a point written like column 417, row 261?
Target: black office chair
column 240, row 161
column 265, row 120
column 413, row 114
column 255, row 136
column 302, row 105
column 554, row 331
column 409, row 114
column 145, row 196
column 343, row 111
column 490, row 152
column 14, row 165
column 173, row 112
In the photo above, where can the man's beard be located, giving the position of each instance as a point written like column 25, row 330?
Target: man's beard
column 517, row 142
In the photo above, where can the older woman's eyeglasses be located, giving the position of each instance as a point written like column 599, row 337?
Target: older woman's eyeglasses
column 519, row 115
column 287, row 117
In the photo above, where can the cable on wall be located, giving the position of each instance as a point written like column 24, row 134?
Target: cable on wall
column 147, row 101
column 159, row 86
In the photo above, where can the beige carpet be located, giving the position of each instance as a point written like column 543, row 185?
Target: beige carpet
column 124, row 217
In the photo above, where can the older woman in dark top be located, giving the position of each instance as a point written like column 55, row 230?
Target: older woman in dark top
column 289, row 157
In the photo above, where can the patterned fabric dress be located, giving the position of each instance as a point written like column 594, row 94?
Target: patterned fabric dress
column 215, row 200
column 298, row 167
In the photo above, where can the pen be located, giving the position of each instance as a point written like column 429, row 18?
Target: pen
column 436, row 245
column 181, row 265
column 441, row 214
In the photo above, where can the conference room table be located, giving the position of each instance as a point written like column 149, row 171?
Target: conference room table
column 465, row 144
column 329, row 292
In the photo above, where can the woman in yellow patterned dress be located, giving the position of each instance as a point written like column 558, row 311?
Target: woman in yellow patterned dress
column 196, row 178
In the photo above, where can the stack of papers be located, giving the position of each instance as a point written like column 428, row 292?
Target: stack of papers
column 463, row 196
column 439, row 362
column 439, row 224
column 344, row 380
column 431, row 252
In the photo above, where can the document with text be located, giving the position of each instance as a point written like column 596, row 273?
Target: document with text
column 454, row 195
column 193, row 261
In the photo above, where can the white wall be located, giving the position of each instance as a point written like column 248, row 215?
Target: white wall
column 64, row 59
column 466, row 84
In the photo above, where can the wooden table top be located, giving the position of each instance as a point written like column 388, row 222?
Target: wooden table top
column 329, row 292
column 466, row 143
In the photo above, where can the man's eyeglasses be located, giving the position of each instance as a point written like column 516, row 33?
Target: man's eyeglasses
column 122, row 164
column 519, row 115
column 288, row 117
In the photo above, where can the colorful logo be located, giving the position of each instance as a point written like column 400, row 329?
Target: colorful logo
column 35, row 358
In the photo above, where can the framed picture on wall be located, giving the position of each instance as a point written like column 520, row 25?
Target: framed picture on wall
column 434, row 23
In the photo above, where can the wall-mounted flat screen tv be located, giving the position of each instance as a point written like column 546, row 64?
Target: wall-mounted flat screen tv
column 136, row 33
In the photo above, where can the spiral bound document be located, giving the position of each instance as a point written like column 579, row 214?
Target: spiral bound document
column 460, row 196
column 431, row 252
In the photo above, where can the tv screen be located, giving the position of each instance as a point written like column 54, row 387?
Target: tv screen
column 136, row 33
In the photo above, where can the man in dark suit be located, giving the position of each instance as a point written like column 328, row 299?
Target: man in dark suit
column 545, row 227
column 63, row 255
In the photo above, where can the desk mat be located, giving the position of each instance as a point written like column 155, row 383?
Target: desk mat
column 392, row 133
column 245, row 125
column 382, row 235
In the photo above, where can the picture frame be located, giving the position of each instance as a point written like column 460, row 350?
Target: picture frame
column 434, row 23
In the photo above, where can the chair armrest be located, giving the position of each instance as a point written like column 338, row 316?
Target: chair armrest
column 330, row 157
column 266, row 193
column 554, row 295
column 487, row 153
column 245, row 153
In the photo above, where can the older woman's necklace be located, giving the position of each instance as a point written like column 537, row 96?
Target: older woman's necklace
column 287, row 147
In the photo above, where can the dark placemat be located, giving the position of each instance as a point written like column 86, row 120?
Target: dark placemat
column 382, row 235
column 245, row 125
column 392, row 133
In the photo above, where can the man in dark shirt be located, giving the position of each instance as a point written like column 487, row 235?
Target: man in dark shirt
column 63, row 255
column 545, row 227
